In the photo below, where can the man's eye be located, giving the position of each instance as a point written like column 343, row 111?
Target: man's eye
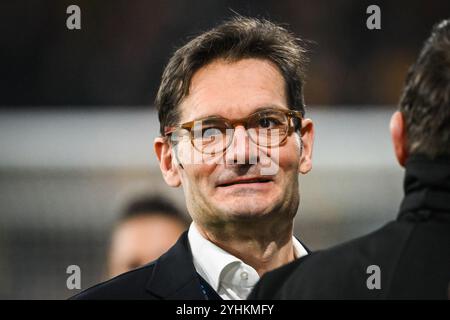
column 268, row 123
column 211, row 132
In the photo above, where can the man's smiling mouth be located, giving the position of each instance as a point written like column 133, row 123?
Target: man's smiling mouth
column 245, row 181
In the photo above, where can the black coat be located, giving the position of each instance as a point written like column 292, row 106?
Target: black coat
column 413, row 252
column 171, row 277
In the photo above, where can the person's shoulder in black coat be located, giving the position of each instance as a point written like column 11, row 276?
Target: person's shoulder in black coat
column 338, row 272
column 171, row 277
column 402, row 250
column 129, row 285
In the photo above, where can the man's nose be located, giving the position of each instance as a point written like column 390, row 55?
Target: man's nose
column 242, row 150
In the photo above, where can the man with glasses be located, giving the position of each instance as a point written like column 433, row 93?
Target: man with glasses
column 234, row 136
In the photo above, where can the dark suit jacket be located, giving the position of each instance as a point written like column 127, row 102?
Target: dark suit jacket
column 171, row 277
column 413, row 252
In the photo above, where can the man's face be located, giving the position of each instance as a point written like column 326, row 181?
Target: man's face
column 140, row 240
column 217, row 191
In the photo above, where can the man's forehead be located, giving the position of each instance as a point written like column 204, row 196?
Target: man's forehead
column 234, row 89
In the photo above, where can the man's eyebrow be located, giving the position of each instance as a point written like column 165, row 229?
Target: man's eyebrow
column 258, row 109
column 269, row 107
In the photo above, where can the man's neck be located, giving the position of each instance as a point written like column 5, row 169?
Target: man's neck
column 257, row 245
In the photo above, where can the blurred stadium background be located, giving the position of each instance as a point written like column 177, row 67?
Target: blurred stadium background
column 77, row 122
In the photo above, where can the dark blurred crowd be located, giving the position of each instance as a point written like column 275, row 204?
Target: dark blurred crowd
column 117, row 57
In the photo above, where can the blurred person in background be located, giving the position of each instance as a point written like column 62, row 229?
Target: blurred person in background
column 219, row 94
column 408, row 258
column 147, row 228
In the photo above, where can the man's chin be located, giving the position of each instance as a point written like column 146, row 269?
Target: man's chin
column 250, row 208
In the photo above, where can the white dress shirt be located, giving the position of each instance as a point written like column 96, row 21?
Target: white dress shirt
column 229, row 276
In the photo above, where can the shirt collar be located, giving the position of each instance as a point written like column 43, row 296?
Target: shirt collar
column 209, row 259
column 213, row 263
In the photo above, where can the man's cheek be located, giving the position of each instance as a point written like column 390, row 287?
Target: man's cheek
column 269, row 164
column 289, row 158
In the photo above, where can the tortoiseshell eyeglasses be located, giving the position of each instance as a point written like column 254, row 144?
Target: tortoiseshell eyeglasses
column 266, row 127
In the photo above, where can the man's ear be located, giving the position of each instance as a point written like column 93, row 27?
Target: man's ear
column 168, row 167
column 307, row 140
column 398, row 135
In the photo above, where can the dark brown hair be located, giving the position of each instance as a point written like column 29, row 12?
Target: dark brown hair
column 235, row 39
column 149, row 205
column 425, row 102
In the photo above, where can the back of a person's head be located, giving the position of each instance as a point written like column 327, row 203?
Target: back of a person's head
column 425, row 102
column 152, row 205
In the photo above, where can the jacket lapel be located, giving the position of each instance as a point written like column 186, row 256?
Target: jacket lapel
column 174, row 275
column 306, row 248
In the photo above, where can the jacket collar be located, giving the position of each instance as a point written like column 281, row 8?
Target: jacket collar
column 427, row 187
column 174, row 275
